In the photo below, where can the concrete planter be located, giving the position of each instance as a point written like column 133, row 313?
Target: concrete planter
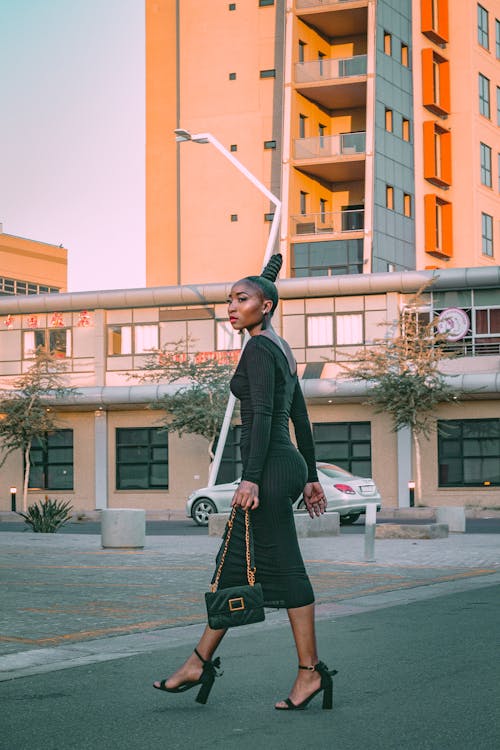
column 123, row 528
column 326, row 525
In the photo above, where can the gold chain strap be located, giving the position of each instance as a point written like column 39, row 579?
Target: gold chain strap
column 250, row 570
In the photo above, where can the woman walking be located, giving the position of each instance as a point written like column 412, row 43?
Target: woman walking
column 274, row 474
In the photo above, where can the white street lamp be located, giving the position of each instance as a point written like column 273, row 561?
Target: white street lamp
column 185, row 135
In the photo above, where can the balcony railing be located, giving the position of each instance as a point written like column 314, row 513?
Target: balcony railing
column 327, row 69
column 312, row 3
column 328, row 222
column 326, row 146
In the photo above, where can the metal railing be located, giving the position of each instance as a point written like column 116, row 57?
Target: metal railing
column 325, row 146
column 326, row 69
column 312, row 3
column 470, row 347
column 328, row 222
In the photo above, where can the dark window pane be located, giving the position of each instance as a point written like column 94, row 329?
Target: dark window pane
column 361, row 450
column 361, row 468
column 361, row 431
column 141, row 458
column 133, row 477
column 60, row 477
column 36, row 477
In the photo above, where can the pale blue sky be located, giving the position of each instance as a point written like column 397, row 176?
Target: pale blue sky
column 72, row 133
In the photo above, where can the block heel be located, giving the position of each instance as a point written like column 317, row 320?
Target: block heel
column 206, row 681
column 326, row 687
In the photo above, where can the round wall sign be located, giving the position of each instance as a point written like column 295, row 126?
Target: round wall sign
column 453, row 323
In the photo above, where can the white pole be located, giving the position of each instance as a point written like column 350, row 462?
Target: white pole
column 273, row 234
column 370, row 522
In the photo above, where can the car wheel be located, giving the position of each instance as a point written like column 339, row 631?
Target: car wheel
column 349, row 519
column 201, row 510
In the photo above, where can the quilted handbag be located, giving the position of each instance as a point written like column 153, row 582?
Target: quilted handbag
column 236, row 605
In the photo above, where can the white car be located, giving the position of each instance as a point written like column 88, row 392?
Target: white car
column 346, row 494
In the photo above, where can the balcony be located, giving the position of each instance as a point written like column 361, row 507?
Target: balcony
column 336, row 83
column 328, row 223
column 334, row 158
column 334, row 18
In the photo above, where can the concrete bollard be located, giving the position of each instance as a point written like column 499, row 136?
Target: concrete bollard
column 123, row 527
column 326, row 525
column 453, row 516
column 370, row 523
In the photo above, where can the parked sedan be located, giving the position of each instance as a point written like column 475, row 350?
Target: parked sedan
column 346, row 494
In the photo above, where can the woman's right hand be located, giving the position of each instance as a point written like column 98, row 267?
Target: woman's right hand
column 246, row 496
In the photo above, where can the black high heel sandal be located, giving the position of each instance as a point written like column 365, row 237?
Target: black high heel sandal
column 208, row 675
column 326, row 687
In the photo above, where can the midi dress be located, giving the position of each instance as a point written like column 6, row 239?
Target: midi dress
column 270, row 396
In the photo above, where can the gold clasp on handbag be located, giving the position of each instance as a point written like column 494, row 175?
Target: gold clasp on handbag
column 236, row 604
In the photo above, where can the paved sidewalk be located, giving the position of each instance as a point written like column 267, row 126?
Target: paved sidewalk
column 66, row 601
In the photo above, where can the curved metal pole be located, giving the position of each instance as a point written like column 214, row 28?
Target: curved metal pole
column 273, row 234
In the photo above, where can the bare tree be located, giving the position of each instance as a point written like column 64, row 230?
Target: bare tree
column 25, row 413
column 403, row 375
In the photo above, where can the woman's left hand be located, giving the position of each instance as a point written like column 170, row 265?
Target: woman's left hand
column 314, row 498
column 246, row 496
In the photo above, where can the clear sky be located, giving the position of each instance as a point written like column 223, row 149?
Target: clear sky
column 72, row 133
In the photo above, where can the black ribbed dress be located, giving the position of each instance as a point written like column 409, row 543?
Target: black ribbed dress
column 270, row 396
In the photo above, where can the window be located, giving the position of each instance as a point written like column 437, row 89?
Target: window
column 321, row 133
column 302, row 126
column 482, row 27
column 438, row 226
column 269, row 144
column 320, row 330
column 226, row 337
column 119, row 340
column 52, row 461
column 389, row 197
column 262, row 3
column 435, row 82
column 321, row 67
column 488, row 322
column 231, row 465
column 232, row 6
column 271, row 73
column 327, row 258
column 234, row 217
column 303, row 202
column 437, row 154
column 485, row 165
column 468, row 452
column 498, row 171
column 145, row 338
column 302, row 50
column 434, row 22
column 233, row 147
column 232, row 76
column 405, row 61
column 387, row 43
column 407, row 204
column 497, row 38
column 322, row 210
column 349, row 329
column 346, row 444
column 498, row 105
column 388, row 120
column 484, row 96
column 57, row 339
column 405, row 129
column 268, row 217
column 141, row 458
column 487, row 234
column 12, row 286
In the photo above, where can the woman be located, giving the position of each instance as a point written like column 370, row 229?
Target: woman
column 274, row 474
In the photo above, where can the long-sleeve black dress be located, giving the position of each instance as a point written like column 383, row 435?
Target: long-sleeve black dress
column 270, row 396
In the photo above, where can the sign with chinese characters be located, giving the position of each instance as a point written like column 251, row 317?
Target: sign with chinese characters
column 32, row 321
column 453, row 323
column 84, row 319
column 56, row 320
column 9, row 322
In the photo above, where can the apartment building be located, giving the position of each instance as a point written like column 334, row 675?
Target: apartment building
column 31, row 267
column 374, row 121
column 107, row 450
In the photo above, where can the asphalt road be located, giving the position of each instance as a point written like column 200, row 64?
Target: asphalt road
column 189, row 528
column 416, row 676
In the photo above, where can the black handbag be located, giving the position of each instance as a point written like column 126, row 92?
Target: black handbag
column 236, row 605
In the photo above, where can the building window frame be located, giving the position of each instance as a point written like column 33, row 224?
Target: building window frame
column 405, row 55
column 58, row 341
column 484, row 96
column 483, row 31
column 268, row 73
column 389, row 197
column 387, row 43
column 473, row 455
column 435, row 82
column 407, row 205
column 486, row 166
column 351, row 450
column 405, row 129
column 319, row 330
column 487, row 238
column 349, row 329
column 434, row 20
column 497, row 38
column 151, row 452
column 438, row 226
column 51, row 460
column 389, row 120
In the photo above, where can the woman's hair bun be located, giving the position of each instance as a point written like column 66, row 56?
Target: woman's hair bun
column 272, row 269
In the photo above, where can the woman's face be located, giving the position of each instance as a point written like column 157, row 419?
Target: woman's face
column 247, row 307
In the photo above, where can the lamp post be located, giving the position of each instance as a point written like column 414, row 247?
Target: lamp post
column 13, row 493
column 411, row 493
column 184, row 135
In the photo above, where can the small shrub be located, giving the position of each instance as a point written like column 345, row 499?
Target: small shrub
column 48, row 515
